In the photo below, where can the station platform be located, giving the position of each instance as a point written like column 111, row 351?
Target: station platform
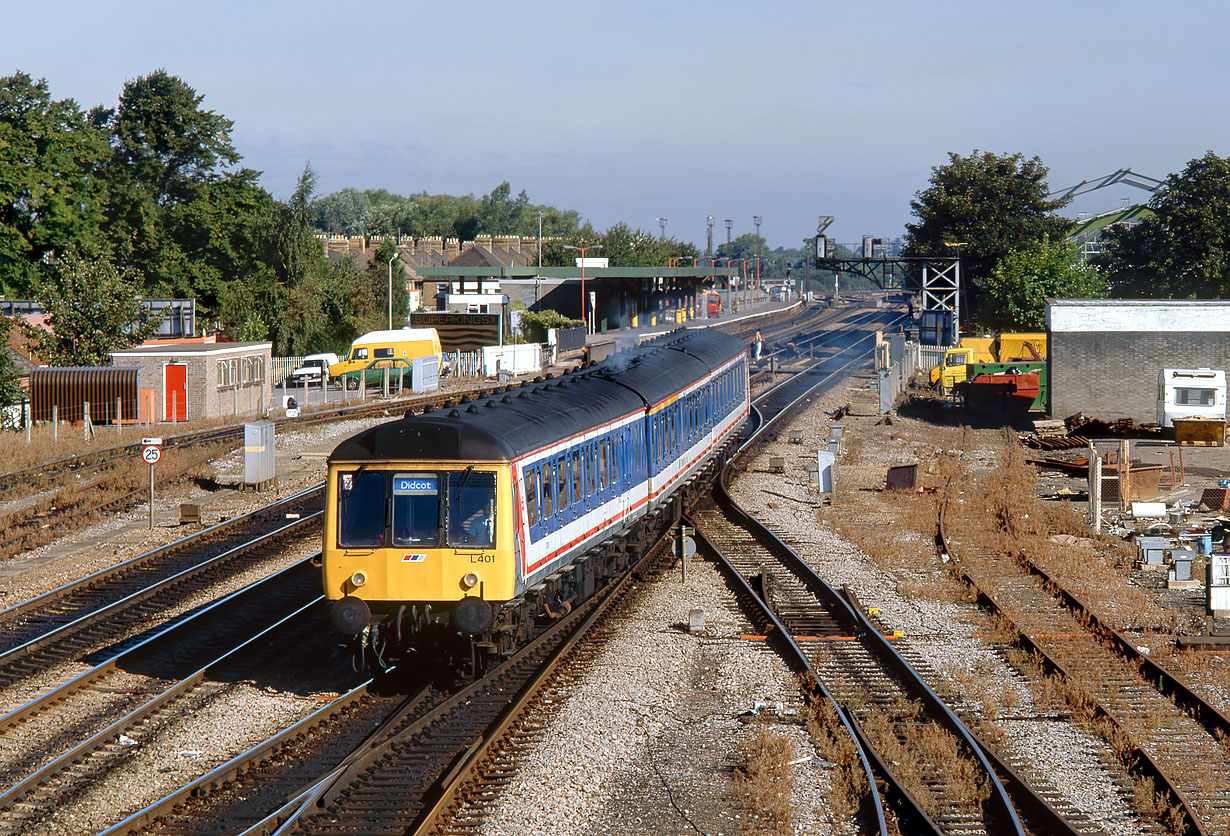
column 627, row 337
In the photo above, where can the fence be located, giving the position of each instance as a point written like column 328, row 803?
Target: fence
column 283, row 366
column 896, row 361
column 512, row 359
column 464, row 363
column 567, row 339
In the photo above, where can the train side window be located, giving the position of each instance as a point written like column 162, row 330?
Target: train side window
column 561, row 471
column 532, row 479
column 360, row 509
column 548, row 492
column 602, row 464
column 416, row 509
column 578, row 485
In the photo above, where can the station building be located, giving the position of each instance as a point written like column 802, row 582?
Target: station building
column 1105, row 356
column 192, row 379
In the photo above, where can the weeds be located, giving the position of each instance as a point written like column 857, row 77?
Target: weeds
column 764, row 781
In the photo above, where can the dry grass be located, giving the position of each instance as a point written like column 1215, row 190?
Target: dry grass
column 848, row 781
column 72, row 507
column 764, row 781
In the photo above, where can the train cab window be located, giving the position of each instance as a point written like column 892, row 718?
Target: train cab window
column 471, row 509
column 578, row 485
column 602, row 475
column 548, row 492
column 360, row 509
column 416, row 509
column 532, row 480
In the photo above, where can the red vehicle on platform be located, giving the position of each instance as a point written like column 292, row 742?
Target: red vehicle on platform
column 713, row 303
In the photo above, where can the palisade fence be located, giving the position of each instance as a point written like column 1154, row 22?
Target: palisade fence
column 897, row 359
column 283, row 366
column 464, row 363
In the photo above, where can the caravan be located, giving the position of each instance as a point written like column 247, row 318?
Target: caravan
column 1191, row 393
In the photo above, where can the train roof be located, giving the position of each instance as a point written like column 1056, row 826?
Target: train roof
column 520, row 419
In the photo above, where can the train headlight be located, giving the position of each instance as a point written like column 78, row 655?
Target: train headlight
column 470, row 580
column 358, row 579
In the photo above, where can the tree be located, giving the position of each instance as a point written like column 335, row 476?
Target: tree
column 1015, row 293
column 10, row 390
column 92, row 309
column 50, row 196
column 167, row 150
column 990, row 204
column 1183, row 250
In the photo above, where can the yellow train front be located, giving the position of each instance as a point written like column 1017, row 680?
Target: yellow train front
column 467, row 518
column 418, row 531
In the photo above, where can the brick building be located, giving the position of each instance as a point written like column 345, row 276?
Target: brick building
column 1104, row 355
column 191, row 380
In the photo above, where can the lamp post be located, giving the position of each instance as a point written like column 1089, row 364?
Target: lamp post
column 584, row 250
column 729, row 253
column 662, row 224
column 391, row 260
column 756, row 220
column 538, row 275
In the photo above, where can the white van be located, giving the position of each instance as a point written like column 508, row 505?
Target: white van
column 313, row 370
column 1191, row 393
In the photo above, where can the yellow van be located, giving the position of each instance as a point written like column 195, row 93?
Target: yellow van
column 373, row 352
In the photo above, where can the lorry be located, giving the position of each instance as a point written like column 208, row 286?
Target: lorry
column 395, row 350
column 1004, row 348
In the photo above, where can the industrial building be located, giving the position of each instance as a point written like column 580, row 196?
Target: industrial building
column 1105, row 355
column 193, row 380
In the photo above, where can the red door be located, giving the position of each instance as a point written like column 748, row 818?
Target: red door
column 176, row 394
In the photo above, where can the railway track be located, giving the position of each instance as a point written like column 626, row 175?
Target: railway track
column 125, row 709
column 408, row 776
column 888, row 708
column 1165, row 730
column 113, row 605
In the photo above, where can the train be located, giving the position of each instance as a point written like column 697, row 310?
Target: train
column 481, row 519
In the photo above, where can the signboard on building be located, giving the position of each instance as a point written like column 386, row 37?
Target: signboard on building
column 460, row 331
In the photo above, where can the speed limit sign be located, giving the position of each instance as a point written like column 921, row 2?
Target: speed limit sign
column 151, row 453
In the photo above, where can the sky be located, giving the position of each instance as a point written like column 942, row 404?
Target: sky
column 639, row 110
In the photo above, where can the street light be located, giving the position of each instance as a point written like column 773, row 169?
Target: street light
column 729, row 253
column 391, row 260
column 756, row 220
column 584, row 250
column 662, row 223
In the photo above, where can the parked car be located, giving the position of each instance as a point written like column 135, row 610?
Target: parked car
column 314, row 370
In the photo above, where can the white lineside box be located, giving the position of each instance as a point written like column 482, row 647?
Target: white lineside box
column 258, row 448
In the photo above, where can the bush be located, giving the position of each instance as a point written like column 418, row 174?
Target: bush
column 535, row 324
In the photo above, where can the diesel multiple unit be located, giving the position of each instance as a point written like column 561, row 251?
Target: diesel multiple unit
column 473, row 517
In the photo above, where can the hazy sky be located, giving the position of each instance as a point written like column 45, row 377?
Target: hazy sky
column 636, row 110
